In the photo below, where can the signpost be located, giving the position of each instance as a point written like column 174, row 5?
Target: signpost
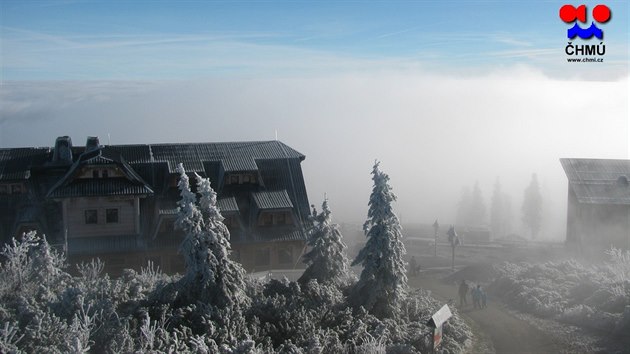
column 436, row 227
column 436, row 321
column 454, row 240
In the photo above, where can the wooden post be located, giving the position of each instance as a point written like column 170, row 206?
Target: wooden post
column 436, row 227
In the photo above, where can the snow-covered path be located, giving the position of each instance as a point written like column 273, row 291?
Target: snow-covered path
column 496, row 329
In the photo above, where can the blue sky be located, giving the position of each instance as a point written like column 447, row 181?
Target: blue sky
column 88, row 40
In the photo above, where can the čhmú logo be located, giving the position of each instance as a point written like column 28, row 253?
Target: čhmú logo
column 569, row 14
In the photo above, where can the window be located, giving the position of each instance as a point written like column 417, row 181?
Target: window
column 167, row 225
column 281, row 218
column 94, row 173
column 267, row 219
column 16, row 188
column 173, row 181
column 285, row 255
column 231, row 221
column 111, row 216
column 91, row 216
column 262, row 256
column 4, row 189
column 233, row 179
column 247, row 179
column 105, row 174
column 227, row 221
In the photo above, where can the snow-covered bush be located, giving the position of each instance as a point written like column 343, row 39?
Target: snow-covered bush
column 595, row 297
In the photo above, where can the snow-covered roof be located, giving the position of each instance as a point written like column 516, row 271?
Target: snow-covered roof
column 598, row 181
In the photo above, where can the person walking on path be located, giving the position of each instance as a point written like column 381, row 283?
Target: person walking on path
column 463, row 290
column 413, row 266
column 476, row 296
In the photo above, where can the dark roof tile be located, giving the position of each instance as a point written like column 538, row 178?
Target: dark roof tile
column 100, row 187
column 272, row 200
column 595, row 181
column 228, row 205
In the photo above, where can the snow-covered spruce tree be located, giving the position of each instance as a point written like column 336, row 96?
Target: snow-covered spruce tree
column 499, row 212
column 532, row 207
column 327, row 262
column 383, row 282
column 211, row 276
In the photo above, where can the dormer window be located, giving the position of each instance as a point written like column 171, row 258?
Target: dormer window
column 16, row 188
column 241, row 178
column 231, row 222
column 269, row 218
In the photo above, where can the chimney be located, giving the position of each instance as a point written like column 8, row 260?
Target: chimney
column 63, row 150
column 92, row 143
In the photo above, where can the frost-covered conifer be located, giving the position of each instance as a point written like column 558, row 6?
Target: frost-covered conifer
column 383, row 282
column 210, row 274
column 327, row 262
column 532, row 207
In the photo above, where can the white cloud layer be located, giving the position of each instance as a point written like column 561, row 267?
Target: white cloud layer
column 434, row 133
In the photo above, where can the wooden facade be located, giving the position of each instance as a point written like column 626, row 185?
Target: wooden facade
column 118, row 203
column 598, row 205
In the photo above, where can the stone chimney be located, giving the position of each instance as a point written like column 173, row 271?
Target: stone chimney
column 92, row 143
column 63, row 150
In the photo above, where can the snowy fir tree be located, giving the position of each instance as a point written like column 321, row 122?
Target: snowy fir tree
column 210, row 274
column 532, row 207
column 478, row 207
column 327, row 262
column 471, row 209
column 383, row 282
column 464, row 206
column 500, row 210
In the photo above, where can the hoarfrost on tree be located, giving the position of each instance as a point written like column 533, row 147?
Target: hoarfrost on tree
column 210, row 274
column 327, row 262
column 532, row 207
column 383, row 282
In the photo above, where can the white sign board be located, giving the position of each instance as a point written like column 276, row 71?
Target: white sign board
column 441, row 316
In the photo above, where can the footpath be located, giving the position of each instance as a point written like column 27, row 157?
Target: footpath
column 495, row 328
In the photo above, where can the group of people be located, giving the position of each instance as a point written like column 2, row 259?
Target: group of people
column 479, row 296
